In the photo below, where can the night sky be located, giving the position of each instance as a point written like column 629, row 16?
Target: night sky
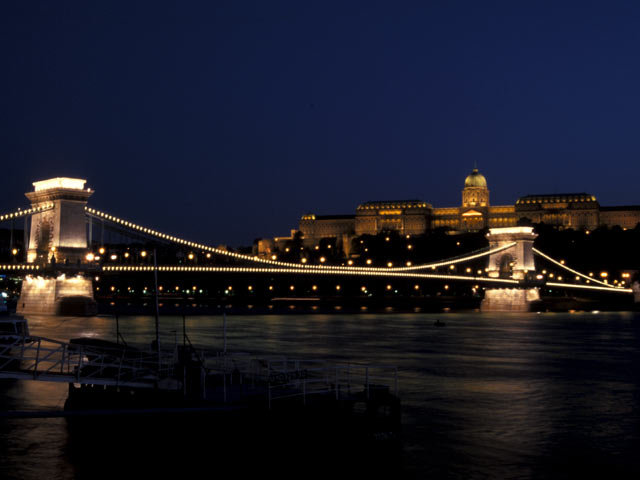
column 223, row 121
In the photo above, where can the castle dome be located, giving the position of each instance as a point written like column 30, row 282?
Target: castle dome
column 475, row 179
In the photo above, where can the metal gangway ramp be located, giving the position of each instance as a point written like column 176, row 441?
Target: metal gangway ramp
column 45, row 359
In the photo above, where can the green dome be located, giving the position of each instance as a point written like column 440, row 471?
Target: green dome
column 475, row 179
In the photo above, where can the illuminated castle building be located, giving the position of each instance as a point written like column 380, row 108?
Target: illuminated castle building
column 416, row 217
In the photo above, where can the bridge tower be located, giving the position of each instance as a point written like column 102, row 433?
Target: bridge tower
column 58, row 242
column 512, row 263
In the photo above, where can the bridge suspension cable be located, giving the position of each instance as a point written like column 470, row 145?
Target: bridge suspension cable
column 484, row 252
column 28, row 211
column 575, row 272
column 589, row 287
column 302, row 266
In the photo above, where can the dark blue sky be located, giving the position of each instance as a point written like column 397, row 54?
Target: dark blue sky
column 224, row 121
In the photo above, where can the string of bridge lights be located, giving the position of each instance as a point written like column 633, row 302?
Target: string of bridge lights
column 20, row 266
column 342, row 271
column 148, row 231
column 288, row 267
column 575, row 272
column 608, row 288
column 29, row 211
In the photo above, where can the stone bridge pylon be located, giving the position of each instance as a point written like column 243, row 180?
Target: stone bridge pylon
column 513, row 263
column 58, row 242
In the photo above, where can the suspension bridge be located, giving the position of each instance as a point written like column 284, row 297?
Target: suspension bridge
column 58, row 262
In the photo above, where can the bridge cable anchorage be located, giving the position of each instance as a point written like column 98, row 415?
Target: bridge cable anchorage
column 251, row 258
column 339, row 271
column 26, row 212
column 575, row 272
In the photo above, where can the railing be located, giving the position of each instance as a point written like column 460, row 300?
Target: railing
column 287, row 378
column 44, row 358
column 279, row 377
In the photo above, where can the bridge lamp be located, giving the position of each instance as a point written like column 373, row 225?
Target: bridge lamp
column 452, row 267
column 446, row 287
column 249, row 288
column 303, row 260
column 143, row 253
column 479, row 272
column 368, row 261
column 126, row 254
column 101, row 250
column 292, row 288
column 114, row 257
column 577, row 278
column 208, row 255
column 338, row 287
column 273, row 257
column 604, row 274
column 416, row 287
column 363, row 288
column 90, row 257
column 387, row 239
column 388, row 287
column 14, row 251
column 314, row 288
column 409, row 264
column 559, row 278
column 409, row 247
column 322, row 259
column 390, row 264
column 190, row 256
column 349, row 262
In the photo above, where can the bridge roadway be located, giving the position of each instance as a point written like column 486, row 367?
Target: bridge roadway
column 54, row 270
column 270, row 266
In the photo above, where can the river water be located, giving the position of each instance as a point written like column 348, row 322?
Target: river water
column 486, row 396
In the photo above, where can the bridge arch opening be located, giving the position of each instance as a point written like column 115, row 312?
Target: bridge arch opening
column 505, row 266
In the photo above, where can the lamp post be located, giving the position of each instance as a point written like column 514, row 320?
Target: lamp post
column 155, row 279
